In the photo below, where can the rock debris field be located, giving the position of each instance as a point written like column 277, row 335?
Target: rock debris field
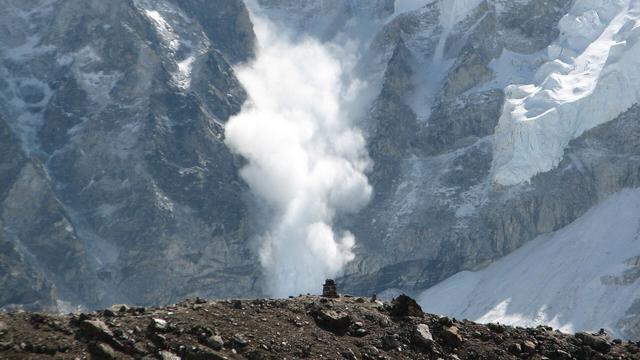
column 308, row 327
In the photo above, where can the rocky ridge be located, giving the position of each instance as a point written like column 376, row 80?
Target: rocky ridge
column 302, row 327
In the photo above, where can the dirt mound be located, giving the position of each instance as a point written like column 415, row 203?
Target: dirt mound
column 304, row 327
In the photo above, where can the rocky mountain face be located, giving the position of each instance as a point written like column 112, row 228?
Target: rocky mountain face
column 116, row 185
column 444, row 124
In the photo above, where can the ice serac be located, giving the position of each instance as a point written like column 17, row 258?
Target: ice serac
column 581, row 278
column 591, row 76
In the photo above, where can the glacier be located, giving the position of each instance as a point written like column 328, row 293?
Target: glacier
column 582, row 277
column 591, row 76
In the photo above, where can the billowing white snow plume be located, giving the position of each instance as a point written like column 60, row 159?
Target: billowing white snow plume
column 305, row 160
column 592, row 75
column 582, row 277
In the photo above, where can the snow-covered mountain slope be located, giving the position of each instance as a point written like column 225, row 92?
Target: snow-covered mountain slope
column 591, row 76
column 585, row 276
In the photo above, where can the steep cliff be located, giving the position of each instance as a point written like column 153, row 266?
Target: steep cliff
column 116, row 183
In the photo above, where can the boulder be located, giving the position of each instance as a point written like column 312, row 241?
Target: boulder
column 330, row 320
column 95, row 329
column 158, row 325
column 451, row 336
column 215, row 342
column 596, row 342
column 403, row 305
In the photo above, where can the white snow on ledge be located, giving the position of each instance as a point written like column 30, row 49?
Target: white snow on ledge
column 592, row 76
column 572, row 279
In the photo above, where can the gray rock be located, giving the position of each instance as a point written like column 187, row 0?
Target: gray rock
column 528, row 346
column 215, row 342
column 95, row 329
column 451, row 335
column 158, row 325
column 239, row 341
column 103, row 351
column 349, row 354
column 390, row 341
column 596, row 342
column 331, row 320
column 423, row 335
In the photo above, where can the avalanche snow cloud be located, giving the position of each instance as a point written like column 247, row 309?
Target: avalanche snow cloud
column 305, row 160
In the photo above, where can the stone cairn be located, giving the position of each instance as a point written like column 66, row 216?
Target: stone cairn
column 329, row 289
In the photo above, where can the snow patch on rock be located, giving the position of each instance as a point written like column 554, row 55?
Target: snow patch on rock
column 181, row 41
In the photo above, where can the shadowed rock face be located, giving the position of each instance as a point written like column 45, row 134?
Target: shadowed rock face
column 116, row 184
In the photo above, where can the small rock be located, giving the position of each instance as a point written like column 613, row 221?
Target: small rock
column 158, row 325
column 391, row 341
column 349, row 355
column 238, row 341
column 561, row 354
column 405, row 306
column 215, row 342
column 361, row 332
column 515, row 349
column 103, row 351
column 423, row 335
column 451, row 336
column 4, row 328
column 200, row 301
column 119, row 308
column 528, row 346
column 445, row 321
column 201, row 353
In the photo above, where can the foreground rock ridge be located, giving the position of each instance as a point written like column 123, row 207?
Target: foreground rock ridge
column 305, row 327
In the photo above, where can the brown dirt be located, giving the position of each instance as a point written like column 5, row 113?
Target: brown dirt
column 303, row 327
